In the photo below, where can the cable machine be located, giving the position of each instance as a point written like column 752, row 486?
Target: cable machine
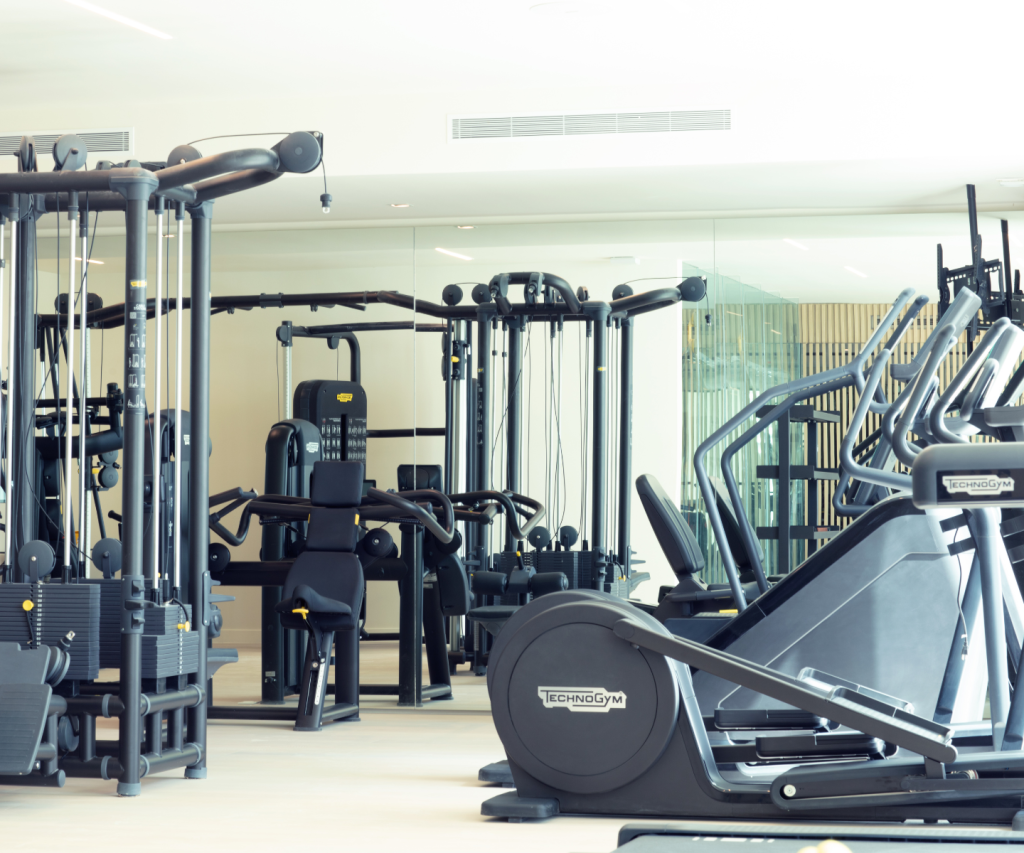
column 160, row 608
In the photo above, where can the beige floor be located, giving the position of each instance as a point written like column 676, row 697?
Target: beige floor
column 400, row 780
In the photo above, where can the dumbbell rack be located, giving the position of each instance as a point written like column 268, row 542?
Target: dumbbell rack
column 784, row 531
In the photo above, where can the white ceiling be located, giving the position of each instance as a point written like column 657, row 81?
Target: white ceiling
column 834, row 107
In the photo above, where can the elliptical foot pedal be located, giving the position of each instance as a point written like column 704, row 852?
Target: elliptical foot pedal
column 510, row 805
column 497, row 773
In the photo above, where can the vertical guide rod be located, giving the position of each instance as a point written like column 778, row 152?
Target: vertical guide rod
column 9, row 426
column 69, row 521
column 158, row 529
column 179, row 216
column 84, row 474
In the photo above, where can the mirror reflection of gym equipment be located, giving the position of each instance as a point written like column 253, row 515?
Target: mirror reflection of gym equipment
column 558, row 425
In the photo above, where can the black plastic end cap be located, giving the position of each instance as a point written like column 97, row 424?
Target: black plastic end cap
column 298, row 152
column 693, row 289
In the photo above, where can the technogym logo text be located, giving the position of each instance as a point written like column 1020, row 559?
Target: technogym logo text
column 593, row 700
column 979, row 484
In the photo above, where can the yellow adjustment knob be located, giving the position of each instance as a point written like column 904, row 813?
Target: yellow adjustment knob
column 184, row 626
column 357, row 519
column 303, row 610
column 455, row 358
column 519, row 554
column 27, row 604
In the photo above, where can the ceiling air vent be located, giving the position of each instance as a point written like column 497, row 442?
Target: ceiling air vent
column 587, row 124
column 107, row 141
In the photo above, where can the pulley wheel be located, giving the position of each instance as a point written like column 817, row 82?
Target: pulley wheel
column 36, row 559
column 577, row 707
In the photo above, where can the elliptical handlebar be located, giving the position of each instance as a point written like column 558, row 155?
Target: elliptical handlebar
column 977, row 365
column 848, row 374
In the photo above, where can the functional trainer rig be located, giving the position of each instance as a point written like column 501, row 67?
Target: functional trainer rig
column 140, row 605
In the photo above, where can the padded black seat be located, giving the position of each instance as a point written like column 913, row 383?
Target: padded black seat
column 318, row 603
column 691, row 595
column 493, row 616
column 323, row 593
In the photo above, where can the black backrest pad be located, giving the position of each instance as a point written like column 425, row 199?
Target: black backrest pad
column 674, row 534
column 332, row 529
column 337, row 484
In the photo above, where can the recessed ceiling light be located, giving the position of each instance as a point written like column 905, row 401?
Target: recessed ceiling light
column 795, row 243
column 1012, row 182
column 453, row 254
column 399, row 205
column 627, row 260
column 465, row 227
column 855, row 272
column 91, row 261
column 121, row 19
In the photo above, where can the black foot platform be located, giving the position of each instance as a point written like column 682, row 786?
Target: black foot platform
column 498, row 773
column 510, row 805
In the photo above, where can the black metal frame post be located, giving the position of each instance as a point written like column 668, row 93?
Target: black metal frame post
column 513, row 416
column 136, row 189
column 782, row 498
column 449, row 405
column 479, row 436
column 600, row 313
column 23, row 515
column 199, row 472
column 625, row 442
column 410, row 645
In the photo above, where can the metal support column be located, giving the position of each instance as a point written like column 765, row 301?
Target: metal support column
column 600, row 448
column 136, row 188
column 23, row 512
column 199, row 472
column 410, row 645
column 513, row 416
column 984, row 526
column 782, row 497
column 625, row 442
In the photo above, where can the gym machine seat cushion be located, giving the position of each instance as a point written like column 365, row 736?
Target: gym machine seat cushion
column 673, row 533
column 328, row 585
column 336, row 484
column 332, row 529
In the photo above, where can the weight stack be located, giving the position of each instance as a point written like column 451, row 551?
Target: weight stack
column 110, row 620
column 56, row 609
column 168, row 650
column 566, row 562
